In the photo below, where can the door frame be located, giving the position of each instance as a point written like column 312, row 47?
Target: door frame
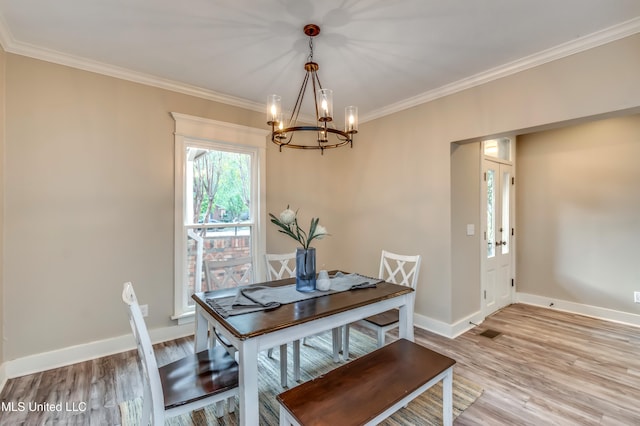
column 483, row 223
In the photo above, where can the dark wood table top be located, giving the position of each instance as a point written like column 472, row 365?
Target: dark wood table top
column 256, row 323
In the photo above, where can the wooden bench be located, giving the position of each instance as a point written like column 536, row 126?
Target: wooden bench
column 369, row 389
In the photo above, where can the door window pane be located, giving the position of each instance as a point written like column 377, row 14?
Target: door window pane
column 506, row 226
column 491, row 213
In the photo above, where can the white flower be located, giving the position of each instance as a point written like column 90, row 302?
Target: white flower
column 287, row 216
column 287, row 223
column 321, row 231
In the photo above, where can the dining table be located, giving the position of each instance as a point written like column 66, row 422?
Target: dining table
column 250, row 333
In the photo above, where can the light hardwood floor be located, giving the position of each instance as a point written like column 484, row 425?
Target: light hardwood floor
column 545, row 368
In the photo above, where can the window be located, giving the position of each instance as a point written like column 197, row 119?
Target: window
column 498, row 148
column 219, row 207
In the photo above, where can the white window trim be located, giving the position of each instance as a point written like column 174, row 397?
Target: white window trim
column 189, row 130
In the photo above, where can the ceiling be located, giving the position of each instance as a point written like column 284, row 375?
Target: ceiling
column 380, row 55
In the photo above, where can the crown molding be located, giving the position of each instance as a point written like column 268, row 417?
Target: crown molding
column 581, row 44
column 11, row 45
column 616, row 32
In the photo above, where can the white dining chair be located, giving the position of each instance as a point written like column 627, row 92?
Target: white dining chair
column 191, row 383
column 281, row 266
column 396, row 269
column 228, row 273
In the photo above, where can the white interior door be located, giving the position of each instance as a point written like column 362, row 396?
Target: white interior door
column 498, row 199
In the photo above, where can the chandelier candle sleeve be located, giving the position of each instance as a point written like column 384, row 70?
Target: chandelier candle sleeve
column 351, row 119
column 274, row 110
column 325, row 104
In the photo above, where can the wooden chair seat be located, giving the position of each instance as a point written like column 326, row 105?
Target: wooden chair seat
column 197, row 376
column 384, row 319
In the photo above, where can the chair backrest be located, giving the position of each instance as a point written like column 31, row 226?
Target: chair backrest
column 153, row 393
column 280, row 265
column 228, row 273
column 399, row 269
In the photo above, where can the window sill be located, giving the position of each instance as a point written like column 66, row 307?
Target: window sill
column 185, row 318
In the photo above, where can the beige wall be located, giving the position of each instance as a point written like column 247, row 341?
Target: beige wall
column 579, row 213
column 2, row 168
column 403, row 171
column 89, row 202
column 89, row 187
column 465, row 210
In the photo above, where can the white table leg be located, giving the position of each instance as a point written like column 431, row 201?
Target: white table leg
column 202, row 329
column 336, row 340
column 296, row 360
column 283, row 365
column 345, row 343
column 447, row 398
column 248, row 383
column 406, row 319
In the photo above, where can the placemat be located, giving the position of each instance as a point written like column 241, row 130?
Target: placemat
column 255, row 298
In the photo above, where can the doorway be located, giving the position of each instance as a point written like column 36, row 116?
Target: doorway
column 497, row 211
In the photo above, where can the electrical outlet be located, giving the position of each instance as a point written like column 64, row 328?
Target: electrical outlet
column 145, row 310
column 636, row 296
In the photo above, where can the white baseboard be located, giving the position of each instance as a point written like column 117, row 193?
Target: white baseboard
column 432, row 325
column 85, row 352
column 456, row 329
column 578, row 308
column 447, row 330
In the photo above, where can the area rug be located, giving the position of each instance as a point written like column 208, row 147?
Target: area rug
column 315, row 360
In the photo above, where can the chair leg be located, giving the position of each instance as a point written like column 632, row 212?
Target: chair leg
column 336, row 337
column 146, row 408
column 345, row 343
column 283, row 365
column 231, row 404
column 381, row 337
column 296, row 360
column 220, row 409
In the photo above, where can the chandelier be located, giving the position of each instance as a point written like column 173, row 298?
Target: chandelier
column 283, row 136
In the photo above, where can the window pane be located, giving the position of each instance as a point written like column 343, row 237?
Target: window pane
column 498, row 148
column 220, row 184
